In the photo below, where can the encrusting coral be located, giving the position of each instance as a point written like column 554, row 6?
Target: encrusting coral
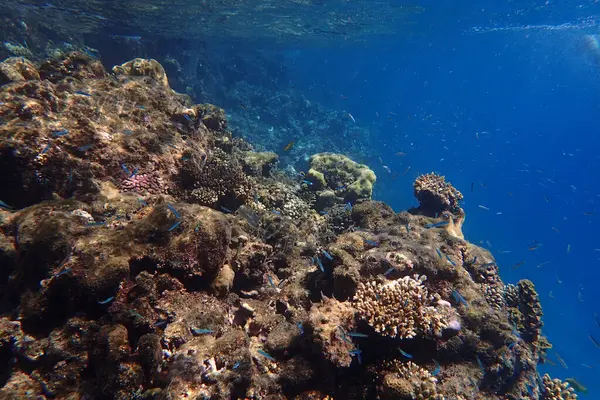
column 148, row 253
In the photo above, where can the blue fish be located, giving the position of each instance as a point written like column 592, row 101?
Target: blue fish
column 127, row 171
column 344, row 336
column 60, row 133
column 45, row 149
column 340, row 187
column 237, row 364
column 85, row 147
column 307, row 182
column 323, row 212
column 276, row 212
column 357, row 334
column 490, row 264
column 450, row 260
column 187, row 117
column 300, row 327
column 320, row 264
column 225, row 209
column 128, row 132
column 173, row 210
column 141, row 107
column 133, row 173
column 439, row 253
column 348, row 206
column 437, row 369
column 201, row 331
column 407, row 227
column 459, row 299
column 357, row 352
column 99, row 223
column 106, row 301
column 175, row 225
column 370, row 242
column 266, row 355
column 474, row 260
column 389, row 271
column 405, row 354
column 63, row 272
column 143, row 202
column 5, row 206
column 436, row 225
column 326, row 254
column 160, row 323
column 480, row 364
column 82, row 93
column 271, row 282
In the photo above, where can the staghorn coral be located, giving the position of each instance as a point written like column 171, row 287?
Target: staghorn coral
column 408, row 381
column 399, row 308
column 555, row 389
column 350, row 180
column 435, row 195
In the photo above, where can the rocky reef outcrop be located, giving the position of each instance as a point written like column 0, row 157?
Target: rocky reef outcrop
column 147, row 253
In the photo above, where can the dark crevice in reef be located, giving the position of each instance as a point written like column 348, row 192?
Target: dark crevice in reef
column 149, row 254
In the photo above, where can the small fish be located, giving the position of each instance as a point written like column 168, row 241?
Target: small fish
column 320, row 264
column 370, row 242
column 594, row 341
column 400, row 154
column 389, row 271
column 480, row 364
column 63, row 272
column 271, row 282
column 472, row 186
column 243, row 106
column 160, row 323
column 106, row 301
column 555, row 229
column 307, row 182
column 85, row 148
column 407, row 227
column 587, row 366
column 226, row 210
column 436, row 225
column 99, row 223
column 589, row 213
column 568, row 248
column 289, row 146
column 474, row 260
column 517, row 265
column 141, row 107
column 323, row 212
column 351, row 117
column 439, row 253
column 348, row 206
column 437, row 369
column 300, row 327
column 174, row 226
column 542, row 264
column 576, row 385
column 188, row 118
column 490, row 264
column 173, row 210
column 124, row 168
column 57, row 134
column 5, row 206
column 46, row 148
column 142, row 202
column 561, row 361
column 483, row 207
column 406, row 170
column 128, row 132
column 133, row 173
column 450, row 260
column 405, row 354
column 340, row 187
column 201, row 331
column 597, row 319
column 357, row 353
column 459, row 299
column 326, row 254
column 237, row 364
column 357, row 334
column 534, row 246
column 82, row 93
column 266, row 355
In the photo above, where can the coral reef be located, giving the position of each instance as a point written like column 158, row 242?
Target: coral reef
column 555, row 389
column 147, row 253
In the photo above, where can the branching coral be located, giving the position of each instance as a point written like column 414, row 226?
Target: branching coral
column 399, row 308
column 435, row 195
column 531, row 309
column 555, row 389
column 409, row 381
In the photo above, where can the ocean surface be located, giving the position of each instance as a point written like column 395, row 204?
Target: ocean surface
column 501, row 97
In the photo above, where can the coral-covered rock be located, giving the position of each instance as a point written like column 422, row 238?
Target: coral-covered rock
column 143, row 67
column 17, row 69
column 435, row 195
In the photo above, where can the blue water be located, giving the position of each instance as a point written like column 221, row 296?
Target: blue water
column 513, row 110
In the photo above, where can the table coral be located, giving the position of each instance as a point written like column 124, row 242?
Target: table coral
column 400, row 308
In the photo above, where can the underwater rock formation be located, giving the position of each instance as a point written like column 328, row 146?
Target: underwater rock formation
column 147, row 253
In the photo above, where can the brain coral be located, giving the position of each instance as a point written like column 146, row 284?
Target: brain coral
column 435, row 194
column 351, row 180
column 399, row 308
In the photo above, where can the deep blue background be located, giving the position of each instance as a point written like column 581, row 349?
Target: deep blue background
column 531, row 94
